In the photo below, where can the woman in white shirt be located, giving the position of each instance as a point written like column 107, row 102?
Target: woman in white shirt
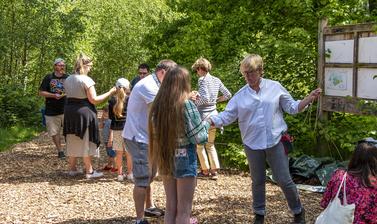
column 259, row 107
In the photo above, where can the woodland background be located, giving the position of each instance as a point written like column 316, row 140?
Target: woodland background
column 120, row 34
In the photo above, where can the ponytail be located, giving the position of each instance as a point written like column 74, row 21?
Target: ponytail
column 120, row 96
column 81, row 62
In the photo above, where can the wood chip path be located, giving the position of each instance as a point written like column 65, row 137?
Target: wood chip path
column 35, row 189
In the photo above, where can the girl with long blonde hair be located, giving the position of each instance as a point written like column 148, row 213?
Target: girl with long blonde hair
column 175, row 127
column 117, row 115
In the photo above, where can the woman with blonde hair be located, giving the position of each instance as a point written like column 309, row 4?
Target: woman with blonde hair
column 80, row 121
column 209, row 87
column 117, row 115
column 175, row 127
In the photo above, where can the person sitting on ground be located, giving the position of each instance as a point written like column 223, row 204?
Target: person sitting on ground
column 175, row 127
column 105, row 124
column 118, row 114
column 361, row 183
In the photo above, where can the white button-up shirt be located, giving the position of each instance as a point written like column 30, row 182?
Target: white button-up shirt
column 260, row 115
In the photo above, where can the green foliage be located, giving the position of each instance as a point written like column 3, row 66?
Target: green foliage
column 120, row 34
column 18, row 107
column 16, row 134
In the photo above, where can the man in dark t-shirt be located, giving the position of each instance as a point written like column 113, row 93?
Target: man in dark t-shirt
column 52, row 88
column 143, row 71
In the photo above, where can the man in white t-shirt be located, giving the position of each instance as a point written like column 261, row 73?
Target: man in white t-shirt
column 135, row 134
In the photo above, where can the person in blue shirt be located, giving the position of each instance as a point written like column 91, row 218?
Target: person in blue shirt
column 259, row 107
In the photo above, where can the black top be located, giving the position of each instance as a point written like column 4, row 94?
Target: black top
column 117, row 123
column 134, row 81
column 55, row 85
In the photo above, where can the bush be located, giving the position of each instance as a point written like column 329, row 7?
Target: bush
column 18, row 107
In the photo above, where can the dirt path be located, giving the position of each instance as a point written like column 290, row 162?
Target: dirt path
column 35, row 189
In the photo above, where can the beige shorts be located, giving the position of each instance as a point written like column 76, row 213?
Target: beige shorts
column 54, row 124
column 118, row 142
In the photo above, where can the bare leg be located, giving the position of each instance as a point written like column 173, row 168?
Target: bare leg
column 170, row 186
column 129, row 163
column 119, row 161
column 139, row 195
column 148, row 197
column 185, row 194
column 57, row 142
column 72, row 163
column 88, row 164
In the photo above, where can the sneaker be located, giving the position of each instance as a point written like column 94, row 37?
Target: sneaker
column 214, row 176
column 130, row 177
column 94, row 174
column 193, row 220
column 202, row 175
column 153, row 212
column 258, row 219
column 73, row 173
column 299, row 218
column 120, row 177
column 61, row 155
column 142, row 222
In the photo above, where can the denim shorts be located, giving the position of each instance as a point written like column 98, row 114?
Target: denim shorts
column 185, row 162
column 140, row 169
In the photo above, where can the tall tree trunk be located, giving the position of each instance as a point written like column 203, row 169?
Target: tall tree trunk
column 373, row 7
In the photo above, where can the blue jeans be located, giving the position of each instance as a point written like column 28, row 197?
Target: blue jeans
column 278, row 162
column 185, row 162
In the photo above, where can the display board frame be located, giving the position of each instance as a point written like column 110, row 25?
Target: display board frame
column 347, row 54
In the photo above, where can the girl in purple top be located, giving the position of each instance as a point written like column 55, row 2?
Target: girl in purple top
column 361, row 185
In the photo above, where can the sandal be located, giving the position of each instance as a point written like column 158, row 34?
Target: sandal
column 107, row 168
column 203, row 175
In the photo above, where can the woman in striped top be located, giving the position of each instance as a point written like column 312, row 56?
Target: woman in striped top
column 209, row 88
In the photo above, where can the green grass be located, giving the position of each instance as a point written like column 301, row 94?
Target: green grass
column 16, row 134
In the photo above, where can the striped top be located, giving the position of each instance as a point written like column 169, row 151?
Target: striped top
column 196, row 130
column 209, row 87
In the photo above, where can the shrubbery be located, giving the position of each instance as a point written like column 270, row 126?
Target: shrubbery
column 17, row 107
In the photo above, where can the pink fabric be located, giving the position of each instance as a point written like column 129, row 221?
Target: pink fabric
column 364, row 198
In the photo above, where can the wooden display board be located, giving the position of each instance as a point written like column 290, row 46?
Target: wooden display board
column 347, row 68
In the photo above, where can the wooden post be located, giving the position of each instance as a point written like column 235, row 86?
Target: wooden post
column 323, row 115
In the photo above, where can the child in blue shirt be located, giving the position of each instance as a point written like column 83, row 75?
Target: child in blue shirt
column 105, row 123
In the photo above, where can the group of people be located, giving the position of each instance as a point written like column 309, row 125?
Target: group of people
column 164, row 125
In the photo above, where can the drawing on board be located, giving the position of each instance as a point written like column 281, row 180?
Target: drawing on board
column 338, row 81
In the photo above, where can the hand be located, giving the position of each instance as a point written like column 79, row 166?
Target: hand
column 315, row 94
column 113, row 90
column 211, row 123
column 58, row 96
column 194, row 95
